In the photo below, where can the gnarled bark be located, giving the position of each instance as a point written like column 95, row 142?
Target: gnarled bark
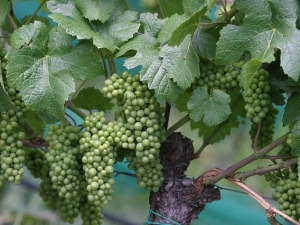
column 180, row 198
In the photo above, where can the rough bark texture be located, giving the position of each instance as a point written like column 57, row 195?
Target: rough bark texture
column 180, row 198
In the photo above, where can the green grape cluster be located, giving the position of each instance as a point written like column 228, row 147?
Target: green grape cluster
column 286, row 191
column 99, row 156
column 218, row 77
column 290, row 138
column 65, row 169
column 12, row 156
column 285, row 150
column 143, row 120
column 3, row 60
column 34, row 161
column 257, row 98
column 266, row 129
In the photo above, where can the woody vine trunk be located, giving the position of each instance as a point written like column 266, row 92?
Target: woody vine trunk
column 180, row 198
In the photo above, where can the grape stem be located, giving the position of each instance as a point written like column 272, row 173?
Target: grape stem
column 35, row 12
column 124, row 173
column 197, row 153
column 263, row 170
column 111, row 62
column 72, row 107
column 270, row 210
column 104, row 64
column 12, row 23
column 271, row 218
column 167, row 115
column 177, row 125
column 256, row 137
column 28, row 129
column 222, row 18
column 77, row 90
column 256, row 155
column 162, row 9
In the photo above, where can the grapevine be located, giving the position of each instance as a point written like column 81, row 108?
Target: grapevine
column 228, row 70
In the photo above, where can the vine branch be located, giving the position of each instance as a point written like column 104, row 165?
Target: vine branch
column 256, row 155
column 221, row 19
column 256, row 137
column 197, row 153
column 167, row 115
column 261, row 171
column 111, row 62
column 178, row 124
column 12, row 23
column 35, row 12
column 269, row 208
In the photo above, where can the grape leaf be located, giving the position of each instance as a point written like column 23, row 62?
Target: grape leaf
column 96, row 9
column 6, row 104
column 296, row 129
column 192, row 6
column 182, row 100
column 187, row 27
column 213, row 108
column 168, row 28
column 217, row 133
column 121, row 26
column 204, row 44
column 267, row 25
column 247, row 73
column 35, row 122
column 295, row 146
column 43, row 71
column 4, row 10
column 170, row 7
column 173, row 62
column 91, row 98
column 145, row 44
column 28, row 35
column 292, row 109
column 69, row 17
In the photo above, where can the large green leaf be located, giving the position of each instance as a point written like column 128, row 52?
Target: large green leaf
column 5, row 100
column 168, row 28
column 35, row 122
column 247, row 73
column 214, row 108
column 170, row 7
column 292, row 109
column 204, row 44
column 182, row 101
column 168, row 70
column 192, row 6
column 90, row 99
column 96, row 9
column 65, row 13
column 217, row 133
column 179, row 63
column 295, row 144
column 43, row 71
column 4, row 10
column 267, row 25
column 29, row 35
column 187, row 27
column 121, row 26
